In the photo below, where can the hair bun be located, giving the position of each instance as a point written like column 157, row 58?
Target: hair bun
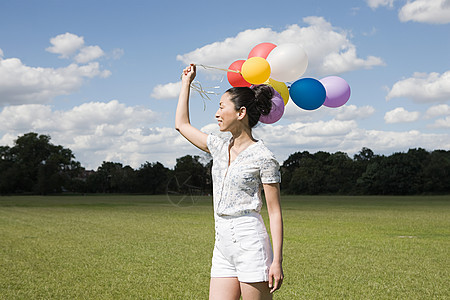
column 257, row 100
column 263, row 98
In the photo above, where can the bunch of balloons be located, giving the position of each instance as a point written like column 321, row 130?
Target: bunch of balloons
column 274, row 65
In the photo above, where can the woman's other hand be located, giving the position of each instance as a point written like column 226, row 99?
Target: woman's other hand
column 275, row 276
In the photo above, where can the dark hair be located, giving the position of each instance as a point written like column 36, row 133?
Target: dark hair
column 257, row 100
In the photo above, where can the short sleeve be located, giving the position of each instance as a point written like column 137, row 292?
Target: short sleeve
column 214, row 144
column 270, row 171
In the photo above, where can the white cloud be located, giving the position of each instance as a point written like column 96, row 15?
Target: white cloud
column 1, row 53
column 329, row 49
column 426, row 11
column 88, row 54
column 336, row 63
column 24, row 117
column 166, row 91
column 376, row 3
column 82, row 119
column 443, row 123
column 400, row 115
column 20, row 84
column 344, row 113
column 437, row 110
column 345, row 137
column 295, row 114
column 94, row 131
column 423, row 88
column 69, row 44
column 66, row 44
column 352, row 112
column 389, row 141
column 333, row 128
column 312, row 136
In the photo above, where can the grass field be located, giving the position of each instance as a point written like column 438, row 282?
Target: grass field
column 144, row 247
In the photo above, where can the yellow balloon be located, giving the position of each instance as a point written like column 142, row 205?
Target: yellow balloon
column 255, row 70
column 280, row 87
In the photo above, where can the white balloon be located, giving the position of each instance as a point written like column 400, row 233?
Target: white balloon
column 287, row 62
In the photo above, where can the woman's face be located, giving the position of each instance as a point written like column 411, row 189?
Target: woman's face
column 227, row 115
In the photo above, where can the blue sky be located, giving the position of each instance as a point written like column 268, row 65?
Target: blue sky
column 102, row 77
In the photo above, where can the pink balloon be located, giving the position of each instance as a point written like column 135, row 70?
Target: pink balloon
column 262, row 50
column 337, row 89
column 277, row 110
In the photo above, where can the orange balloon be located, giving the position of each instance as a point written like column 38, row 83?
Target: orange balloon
column 255, row 70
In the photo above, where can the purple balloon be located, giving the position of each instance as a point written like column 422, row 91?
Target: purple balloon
column 277, row 110
column 338, row 91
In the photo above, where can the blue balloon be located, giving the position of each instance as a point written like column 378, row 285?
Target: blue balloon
column 308, row 93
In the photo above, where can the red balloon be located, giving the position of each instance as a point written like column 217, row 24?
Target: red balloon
column 262, row 50
column 236, row 79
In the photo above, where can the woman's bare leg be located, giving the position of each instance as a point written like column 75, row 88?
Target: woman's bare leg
column 255, row 291
column 224, row 288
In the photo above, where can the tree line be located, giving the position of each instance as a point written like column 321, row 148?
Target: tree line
column 33, row 165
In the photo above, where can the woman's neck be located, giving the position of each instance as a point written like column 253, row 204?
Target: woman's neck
column 242, row 138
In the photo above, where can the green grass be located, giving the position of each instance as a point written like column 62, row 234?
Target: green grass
column 144, row 247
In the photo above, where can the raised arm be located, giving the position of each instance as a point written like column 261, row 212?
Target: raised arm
column 182, row 122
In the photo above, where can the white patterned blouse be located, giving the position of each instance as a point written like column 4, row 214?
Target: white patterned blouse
column 237, row 186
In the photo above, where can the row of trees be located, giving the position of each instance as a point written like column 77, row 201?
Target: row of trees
column 188, row 176
column 414, row 172
column 34, row 165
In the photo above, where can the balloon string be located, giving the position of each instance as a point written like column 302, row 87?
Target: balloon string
column 234, row 71
column 216, row 68
column 197, row 86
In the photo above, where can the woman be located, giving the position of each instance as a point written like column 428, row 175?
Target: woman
column 243, row 262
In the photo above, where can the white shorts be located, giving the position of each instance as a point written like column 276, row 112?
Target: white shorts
column 242, row 249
